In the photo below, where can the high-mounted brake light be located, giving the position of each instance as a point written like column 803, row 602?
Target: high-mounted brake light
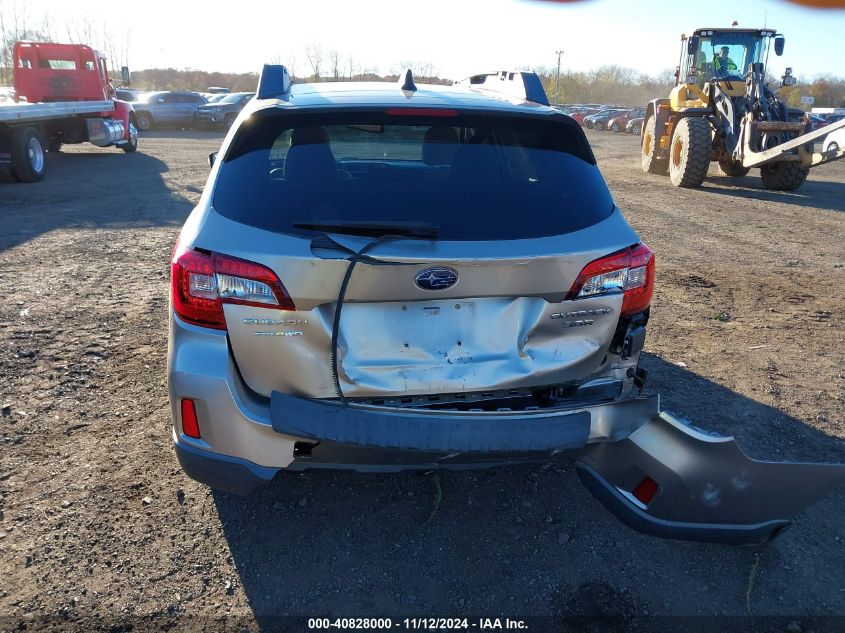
column 630, row 270
column 422, row 112
column 201, row 283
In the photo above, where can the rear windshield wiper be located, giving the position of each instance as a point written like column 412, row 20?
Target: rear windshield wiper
column 373, row 229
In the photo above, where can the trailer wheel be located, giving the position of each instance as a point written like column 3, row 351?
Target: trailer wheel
column 689, row 152
column 783, row 176
column 652, row 164
column 29, row 161
column 145, row 121
column 733, row 169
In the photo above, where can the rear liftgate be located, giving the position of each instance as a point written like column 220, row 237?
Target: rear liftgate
column 670, row 479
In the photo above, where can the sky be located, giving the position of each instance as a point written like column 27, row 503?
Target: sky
column 457, row 37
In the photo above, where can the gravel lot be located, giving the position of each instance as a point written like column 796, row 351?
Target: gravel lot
column 99, row 528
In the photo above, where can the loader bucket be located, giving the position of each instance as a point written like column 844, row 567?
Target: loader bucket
column 670, row 479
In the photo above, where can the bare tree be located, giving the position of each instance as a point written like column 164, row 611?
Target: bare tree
column 426, row 69
column 16, row 25
column 419, row 68
column 334, row 59
column 314, row 55
column 292, row 65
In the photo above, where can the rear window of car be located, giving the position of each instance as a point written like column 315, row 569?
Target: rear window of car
column 475, row 176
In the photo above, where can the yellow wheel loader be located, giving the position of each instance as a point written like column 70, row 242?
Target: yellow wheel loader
column 721, row 110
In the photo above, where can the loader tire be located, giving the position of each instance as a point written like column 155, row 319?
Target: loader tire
column 783, row 176
column 689, row 152
column 652, row 164
column 733, row 169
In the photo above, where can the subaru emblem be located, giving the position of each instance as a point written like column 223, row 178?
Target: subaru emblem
column 436, row 278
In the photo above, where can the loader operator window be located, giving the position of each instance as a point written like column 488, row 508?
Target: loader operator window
column 728, row 55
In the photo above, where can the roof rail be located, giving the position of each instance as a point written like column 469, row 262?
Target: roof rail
column 274, row 82
column 515, row 83
column 406, row 80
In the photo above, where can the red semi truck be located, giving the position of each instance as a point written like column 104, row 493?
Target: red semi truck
column 62, row 95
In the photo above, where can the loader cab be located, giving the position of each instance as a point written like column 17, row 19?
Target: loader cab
column 724, row 55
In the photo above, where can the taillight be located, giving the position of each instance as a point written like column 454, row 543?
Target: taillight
column 201, row 283
column 630, row 270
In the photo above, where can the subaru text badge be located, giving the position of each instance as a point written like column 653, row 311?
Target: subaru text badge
column 436, row 278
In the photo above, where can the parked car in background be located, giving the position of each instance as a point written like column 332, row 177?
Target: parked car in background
column 599, row 120
column 834, row 141
column 224, row 111
column 589, row 120
column 168, row 109
column 617, row 124
column 7, row 94
column 580, row 115
column 634, row 126
column 128, row 94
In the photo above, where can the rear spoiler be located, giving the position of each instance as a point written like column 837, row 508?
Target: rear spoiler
column 515, row 83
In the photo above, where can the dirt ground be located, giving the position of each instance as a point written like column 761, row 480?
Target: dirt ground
column 99, row 528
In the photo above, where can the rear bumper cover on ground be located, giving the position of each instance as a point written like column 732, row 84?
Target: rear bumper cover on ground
column 707, row 489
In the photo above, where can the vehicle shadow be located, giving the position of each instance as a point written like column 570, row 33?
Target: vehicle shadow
column 818, row 194
column 525, row 539
column 96, row 188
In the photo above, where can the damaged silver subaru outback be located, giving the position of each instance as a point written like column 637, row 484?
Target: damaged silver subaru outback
column 383, row 277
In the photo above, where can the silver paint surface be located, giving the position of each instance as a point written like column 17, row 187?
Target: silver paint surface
column 512, row 329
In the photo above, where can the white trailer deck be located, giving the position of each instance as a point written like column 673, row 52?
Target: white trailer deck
column 25, row 112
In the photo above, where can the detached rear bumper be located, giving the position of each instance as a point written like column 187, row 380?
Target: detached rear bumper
column 657, row 473
column 429, row 430
column 707, row 488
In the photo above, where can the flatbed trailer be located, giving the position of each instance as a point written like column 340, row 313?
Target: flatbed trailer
column 12, row 113
column 68, row 99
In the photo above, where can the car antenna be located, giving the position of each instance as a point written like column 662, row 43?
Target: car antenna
column 406, row 80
